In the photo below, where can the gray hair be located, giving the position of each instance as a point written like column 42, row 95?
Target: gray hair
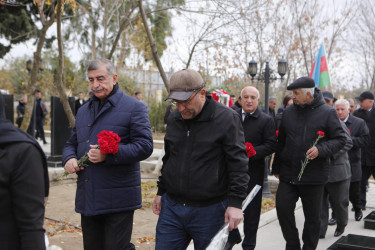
column 308, row 90
column 272, row 98
column 342, row 101
column 256, row 90
column 95, row 64
column 351, row 100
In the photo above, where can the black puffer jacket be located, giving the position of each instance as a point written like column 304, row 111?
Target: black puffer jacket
column 298, row 132
column 205, row 158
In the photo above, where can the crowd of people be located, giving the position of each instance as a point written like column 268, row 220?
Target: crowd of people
column 322, row 148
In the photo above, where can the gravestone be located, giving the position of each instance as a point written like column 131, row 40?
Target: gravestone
column 9, row 107
column 60, row 130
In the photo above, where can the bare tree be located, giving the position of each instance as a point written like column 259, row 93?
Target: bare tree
column 47, row 18
column 60, row 83
column 153, row 46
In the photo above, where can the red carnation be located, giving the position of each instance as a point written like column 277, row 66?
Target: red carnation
column 349, row 131
column 250, row 150
column 307, row 160
column 108, row 142
column 277, row 133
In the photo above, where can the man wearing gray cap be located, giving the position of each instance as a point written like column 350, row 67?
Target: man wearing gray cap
column 204, row 176
column 298, row 131
column 367, row 113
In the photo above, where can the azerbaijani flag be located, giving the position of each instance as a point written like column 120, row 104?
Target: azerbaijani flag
column 319, row 70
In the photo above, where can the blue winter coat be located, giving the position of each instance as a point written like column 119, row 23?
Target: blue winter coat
column 115, row 184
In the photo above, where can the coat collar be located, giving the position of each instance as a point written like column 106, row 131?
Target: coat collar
column 256, row 113
column 350, row 119
column 206, row 113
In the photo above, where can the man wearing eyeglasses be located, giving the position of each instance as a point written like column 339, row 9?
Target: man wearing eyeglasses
column 204, row 176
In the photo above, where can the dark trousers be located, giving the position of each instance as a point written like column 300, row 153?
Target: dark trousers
column 250, row 224
column 367, row 171
column 178, row 224
column 108, row 231
column 39, row 128
column 286, row 198
column 337, row 193
column 355, row 195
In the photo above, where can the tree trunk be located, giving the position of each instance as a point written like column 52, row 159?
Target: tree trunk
column 59, row 76
column 123, row 25
column 35, row 69
column 153, row 47
column 105, row 22
column 93, row 36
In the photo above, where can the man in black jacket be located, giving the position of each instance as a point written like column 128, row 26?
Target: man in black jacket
column 79, row 102
column 367, row 113
column 259, row 129
column 204, row 175
column 24, row 185
column 360, row 137
column 299, row 129
column 39, row 114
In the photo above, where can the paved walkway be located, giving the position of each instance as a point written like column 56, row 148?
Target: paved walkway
column 269, row 233
column 270, row 236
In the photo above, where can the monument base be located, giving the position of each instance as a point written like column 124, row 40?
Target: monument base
column 54, row 161
column 354, row 242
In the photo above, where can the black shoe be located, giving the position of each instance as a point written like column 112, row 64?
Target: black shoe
column 353, row 210
column 322, row 236
column 233, row 239
column 332, row 221
column 339, row 231
column 358, row 215
column 230, row 245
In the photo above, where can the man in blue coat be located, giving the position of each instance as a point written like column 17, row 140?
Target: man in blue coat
column 109, row 188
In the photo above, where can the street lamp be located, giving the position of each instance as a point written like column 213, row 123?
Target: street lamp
column 282, row 68
column 29, row 65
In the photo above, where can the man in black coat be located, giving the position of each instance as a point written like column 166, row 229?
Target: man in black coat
column 79, row 102
column 204, row 177
column 299, row 129
column 24, row 185
column 367, row 113
column 21, row 110
column 360, row 137
column 259, row 130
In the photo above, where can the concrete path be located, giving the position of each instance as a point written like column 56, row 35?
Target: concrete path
column 269, row 233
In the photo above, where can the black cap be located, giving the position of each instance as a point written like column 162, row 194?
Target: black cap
column 365, row 95
column 328, row 95
column 302, row 82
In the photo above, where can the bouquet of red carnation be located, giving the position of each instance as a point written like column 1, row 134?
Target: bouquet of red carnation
column 108, row 142
column 277, row 133
column 306, row 161
column 250, row 150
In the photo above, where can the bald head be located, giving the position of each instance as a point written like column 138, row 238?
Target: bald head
column 249, row 99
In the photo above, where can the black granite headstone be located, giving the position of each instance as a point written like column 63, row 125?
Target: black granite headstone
column 9, row 107
column 60, row 130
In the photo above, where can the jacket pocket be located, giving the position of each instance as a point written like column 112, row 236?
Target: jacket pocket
column 118, row 198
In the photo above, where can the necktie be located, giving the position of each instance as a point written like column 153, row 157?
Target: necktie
column 246, row 116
